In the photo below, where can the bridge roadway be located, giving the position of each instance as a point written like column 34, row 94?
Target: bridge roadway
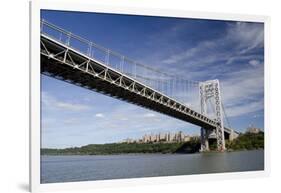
column 62, row 62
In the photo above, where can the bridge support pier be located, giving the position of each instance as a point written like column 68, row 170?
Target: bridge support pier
column 204, row 140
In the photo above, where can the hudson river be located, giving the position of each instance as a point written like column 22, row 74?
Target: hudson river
column 102, row 167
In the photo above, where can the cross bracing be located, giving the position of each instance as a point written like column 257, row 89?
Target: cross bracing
column 73, row 59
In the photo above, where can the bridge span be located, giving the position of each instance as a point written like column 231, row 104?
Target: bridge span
column 68, row 62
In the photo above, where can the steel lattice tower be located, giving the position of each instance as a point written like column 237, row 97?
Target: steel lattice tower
column 210, row 92
column 73, row 59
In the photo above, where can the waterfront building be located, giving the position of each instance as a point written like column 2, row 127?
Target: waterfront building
column 253, row 130
column 161, row 138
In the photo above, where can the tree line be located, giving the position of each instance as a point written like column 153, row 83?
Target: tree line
column 247, row 141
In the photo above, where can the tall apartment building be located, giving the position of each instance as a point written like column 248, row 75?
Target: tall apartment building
column 161, row 138
column 165, row 137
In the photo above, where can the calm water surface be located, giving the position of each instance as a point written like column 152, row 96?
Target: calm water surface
column 101, row 167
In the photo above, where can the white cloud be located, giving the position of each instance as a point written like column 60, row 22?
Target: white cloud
column 129, row 118
column 149, row 115
column 242, row 37
column 245, row 108
column 183, row 55
column 254, row 62
column 243, row 91
column 72, row 107
column 50, row 102
column 71, row 121
column 249, row 35
column 242, row 87
column 100, row 115
column 257, row 116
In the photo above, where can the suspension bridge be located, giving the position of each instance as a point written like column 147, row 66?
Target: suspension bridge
column 73, row 59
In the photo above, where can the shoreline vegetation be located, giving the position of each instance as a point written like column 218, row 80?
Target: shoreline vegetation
column 247, row 141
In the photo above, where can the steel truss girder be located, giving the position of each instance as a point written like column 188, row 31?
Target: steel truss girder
column 68, row 57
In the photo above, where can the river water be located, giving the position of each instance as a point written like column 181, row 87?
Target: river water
column 102, row 167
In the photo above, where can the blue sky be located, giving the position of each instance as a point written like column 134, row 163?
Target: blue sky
column 200, row 50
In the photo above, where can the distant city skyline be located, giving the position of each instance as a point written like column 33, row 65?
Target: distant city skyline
column 161, row 137
column 199, row 49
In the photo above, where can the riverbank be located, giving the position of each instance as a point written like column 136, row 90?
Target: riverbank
column 247, row 141
column 127, row 148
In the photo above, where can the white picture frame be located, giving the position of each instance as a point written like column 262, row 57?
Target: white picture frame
column 36, row 6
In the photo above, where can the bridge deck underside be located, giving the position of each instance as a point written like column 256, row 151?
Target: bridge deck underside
column 63, row 63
